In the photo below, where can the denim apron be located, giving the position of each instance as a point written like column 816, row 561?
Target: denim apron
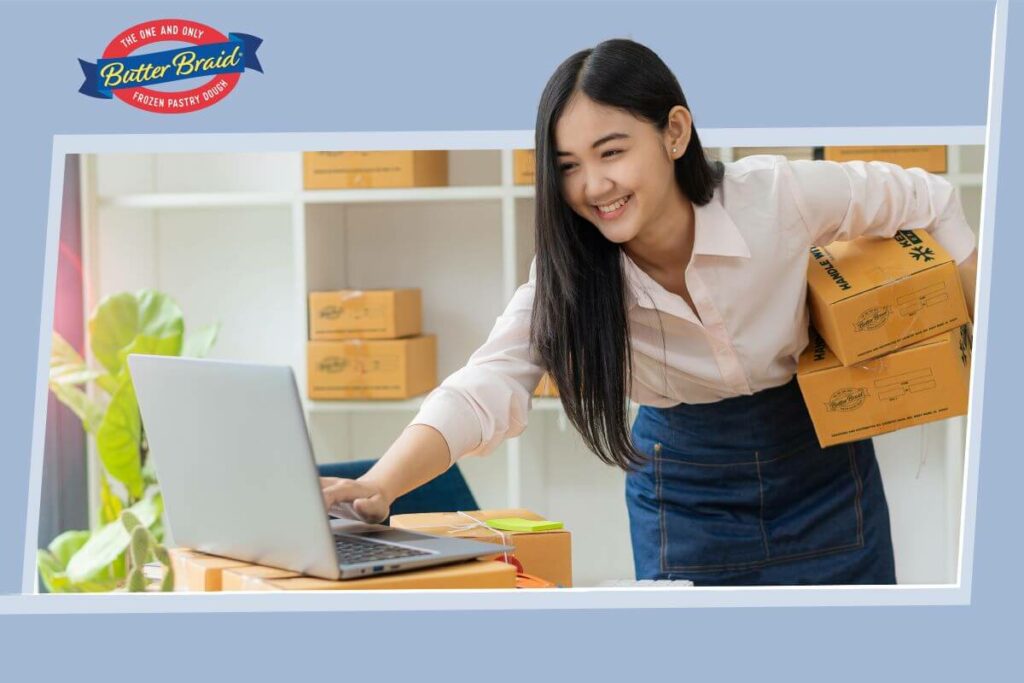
column 738, row 492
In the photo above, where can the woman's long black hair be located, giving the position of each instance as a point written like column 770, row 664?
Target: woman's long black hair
column 579, row 325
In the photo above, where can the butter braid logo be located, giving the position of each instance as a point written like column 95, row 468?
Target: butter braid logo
column 333, row 364
column 128, row 74
column 872, row 318
column 331, row 312
column 847, row 399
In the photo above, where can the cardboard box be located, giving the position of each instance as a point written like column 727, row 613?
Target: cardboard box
column 247, row 578
column 921, row 383
column 871, row 296
column 472, row 574
column 365, row 314
column 196, row 571
column 344, row 170
column 201, row 572
column 547, row 387
column 547, row 554
column 524, row 164
column 931, row 158
column 372, row 368
column 791, row 153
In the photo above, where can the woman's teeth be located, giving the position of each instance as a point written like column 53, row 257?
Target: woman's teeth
column 615, row 205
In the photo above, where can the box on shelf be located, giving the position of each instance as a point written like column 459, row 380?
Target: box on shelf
column 365, row 314
column 523, row 166
column 871, row 296
column 470, row 574
column 346, row 170
column 372, row 368
column 547, row 554
column 931, row 158
column 921, row 383
column 547, row 387
column 791, row 153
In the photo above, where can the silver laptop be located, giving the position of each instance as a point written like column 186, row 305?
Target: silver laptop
column 236, row 469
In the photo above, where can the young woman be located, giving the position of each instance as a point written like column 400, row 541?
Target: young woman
column 680, row 283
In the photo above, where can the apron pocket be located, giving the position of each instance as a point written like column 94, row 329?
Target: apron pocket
column 813, row 500
column 709, row 512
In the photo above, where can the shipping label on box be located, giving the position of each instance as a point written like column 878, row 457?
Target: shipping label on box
column 921, row 383
column 931, row 158
column 871, row 296
column 371, row 369
column 365, row 314
column 547, row 554
column 345, row 170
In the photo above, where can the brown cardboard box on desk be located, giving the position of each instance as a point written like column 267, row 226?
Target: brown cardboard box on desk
column 872, row 295
column 547, row 554
column 195, row 571
column 471, row 574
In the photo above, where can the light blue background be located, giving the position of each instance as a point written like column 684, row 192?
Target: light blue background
column 423, row 66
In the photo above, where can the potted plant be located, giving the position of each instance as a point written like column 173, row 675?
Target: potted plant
column 148, row 322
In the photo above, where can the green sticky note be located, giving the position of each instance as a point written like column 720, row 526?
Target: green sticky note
column 520, row 524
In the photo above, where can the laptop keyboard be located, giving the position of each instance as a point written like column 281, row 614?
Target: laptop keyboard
column 352, row 549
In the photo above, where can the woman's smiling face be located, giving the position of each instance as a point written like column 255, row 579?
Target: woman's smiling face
column 616, row 171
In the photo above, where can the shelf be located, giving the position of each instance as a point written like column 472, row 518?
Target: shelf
column 192, row 200
column 408, row 194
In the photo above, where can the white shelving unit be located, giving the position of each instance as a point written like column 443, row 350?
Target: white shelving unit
column 235, row 238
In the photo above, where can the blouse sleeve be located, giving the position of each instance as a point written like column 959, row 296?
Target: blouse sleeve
column 840, row 201
column 480, row 405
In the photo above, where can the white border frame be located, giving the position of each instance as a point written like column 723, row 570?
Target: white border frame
column 572, row 598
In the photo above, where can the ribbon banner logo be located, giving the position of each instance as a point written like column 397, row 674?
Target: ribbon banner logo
column 127, row 74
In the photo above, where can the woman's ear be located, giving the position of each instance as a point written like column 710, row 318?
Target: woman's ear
column 677, row 131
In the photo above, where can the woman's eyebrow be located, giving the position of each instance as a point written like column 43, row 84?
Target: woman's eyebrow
column 598, row 143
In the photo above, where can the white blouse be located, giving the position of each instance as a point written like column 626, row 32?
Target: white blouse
column 747, row 278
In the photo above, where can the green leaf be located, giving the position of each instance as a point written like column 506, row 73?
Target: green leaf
column 107, row 382
column 198, row 344
column 66, row 545
column 156, row 346
column 110, row 504
column 66, row 365
column 120, row 318
column 81, row 405
column 51, row 571
column 118, row 439
column 92, row 562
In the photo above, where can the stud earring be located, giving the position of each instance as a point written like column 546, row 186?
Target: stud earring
column 673, row 150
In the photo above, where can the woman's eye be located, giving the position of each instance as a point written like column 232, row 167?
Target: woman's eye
column 565, row 167
column 611, row 151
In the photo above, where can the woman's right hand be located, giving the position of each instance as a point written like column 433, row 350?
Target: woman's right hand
column 366, row 498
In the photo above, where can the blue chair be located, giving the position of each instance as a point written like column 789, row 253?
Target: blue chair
column 447, row 493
